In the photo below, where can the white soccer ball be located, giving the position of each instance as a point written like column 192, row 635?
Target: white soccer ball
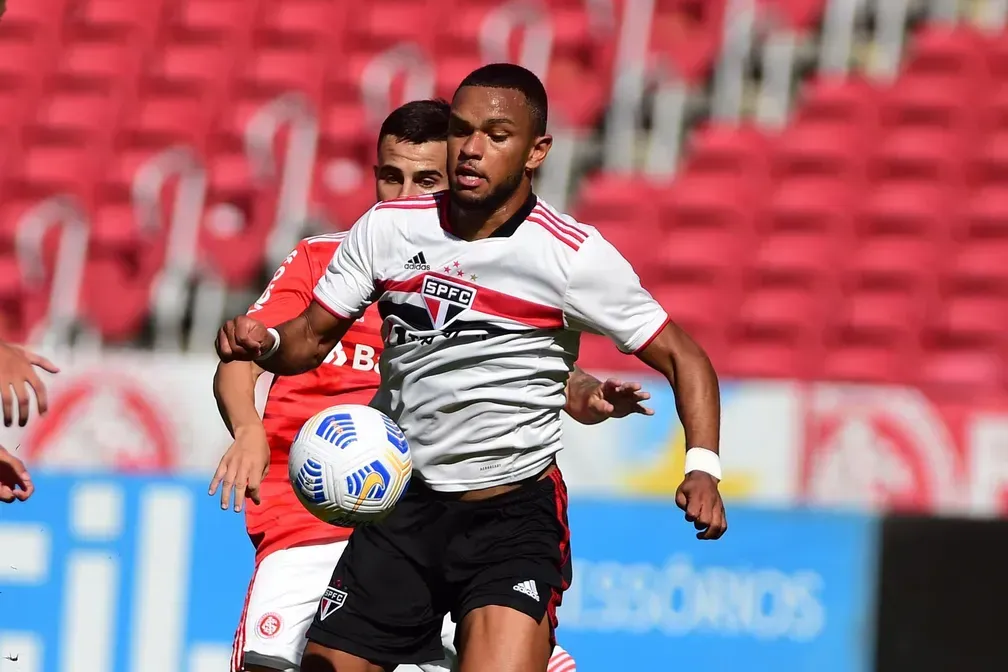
column 349, row 465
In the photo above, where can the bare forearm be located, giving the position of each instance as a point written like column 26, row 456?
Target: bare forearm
column 234, row 390
column 301, row 348
column 695, row 383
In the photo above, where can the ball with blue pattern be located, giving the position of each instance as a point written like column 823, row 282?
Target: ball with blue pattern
column 349, row 465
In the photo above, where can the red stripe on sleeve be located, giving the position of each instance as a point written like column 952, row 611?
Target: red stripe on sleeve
column 653, row 336
column 565, row 239
column 564, row 226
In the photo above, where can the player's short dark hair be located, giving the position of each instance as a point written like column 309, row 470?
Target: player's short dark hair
column 516, row 78
column 417, row 122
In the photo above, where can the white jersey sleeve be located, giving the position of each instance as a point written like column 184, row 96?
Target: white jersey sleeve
column 605, row 296
column 348, row 286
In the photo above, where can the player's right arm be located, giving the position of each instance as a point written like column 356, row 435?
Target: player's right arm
column 302, row 344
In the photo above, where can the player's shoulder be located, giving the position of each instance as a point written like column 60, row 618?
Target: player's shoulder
column 410, row 204
column 560, row 229
column 323, row 244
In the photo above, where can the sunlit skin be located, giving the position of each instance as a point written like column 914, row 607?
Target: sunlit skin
column 492, row 153
column 407, row 169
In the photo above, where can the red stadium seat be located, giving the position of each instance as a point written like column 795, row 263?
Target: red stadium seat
column 873, row 336
column 980, row 265
column 951, row 52
column 613, row 197
column 212, row 20
column 814, row 150
column 797, row 14
column 953, row 372
column 927, row 155
column 302, row 22
column 686, row 35
column 800, row 257
column 986, row 214
column 848, row 104
column 729, row 152
column 822, row 205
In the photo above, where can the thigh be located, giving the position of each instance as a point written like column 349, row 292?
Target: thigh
column 504, row 640
column 283, row 596
column 516, row 555
column 379, row 605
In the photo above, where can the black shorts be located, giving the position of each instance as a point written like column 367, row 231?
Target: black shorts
column 436, row 555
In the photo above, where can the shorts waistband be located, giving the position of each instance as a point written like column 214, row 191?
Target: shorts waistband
column 524, row 486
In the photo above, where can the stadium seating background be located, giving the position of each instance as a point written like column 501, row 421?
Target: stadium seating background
column 814, row 188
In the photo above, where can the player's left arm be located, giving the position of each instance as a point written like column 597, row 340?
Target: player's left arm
column 604, row 295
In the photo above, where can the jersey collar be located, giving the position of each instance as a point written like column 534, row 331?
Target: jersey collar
column 505, row 230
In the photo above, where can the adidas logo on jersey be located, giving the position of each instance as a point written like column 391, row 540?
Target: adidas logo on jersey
column 417, row 263
column 528, row 588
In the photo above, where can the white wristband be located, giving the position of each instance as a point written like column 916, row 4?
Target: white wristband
column 273, row 348
column 701, row 459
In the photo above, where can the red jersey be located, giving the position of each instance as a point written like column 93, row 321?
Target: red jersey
column 349, row 375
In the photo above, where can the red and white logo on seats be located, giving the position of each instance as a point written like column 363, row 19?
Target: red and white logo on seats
column 269, row 625
column 882, row 447
column 107, row 419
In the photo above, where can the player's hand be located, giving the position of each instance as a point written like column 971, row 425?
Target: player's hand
column 698, row 496
column 243, row 339
column 17, row 373
column 15, row 482
column 242, row 468
column 611, row 399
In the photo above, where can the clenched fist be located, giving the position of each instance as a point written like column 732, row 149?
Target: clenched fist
column 243, row 339
column 698, row 496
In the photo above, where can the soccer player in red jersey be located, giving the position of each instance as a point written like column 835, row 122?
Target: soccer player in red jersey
column 295, row 553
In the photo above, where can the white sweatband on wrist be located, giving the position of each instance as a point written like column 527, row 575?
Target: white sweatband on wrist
column 273, row 348
column 701, row 459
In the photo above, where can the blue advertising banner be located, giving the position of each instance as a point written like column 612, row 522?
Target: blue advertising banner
column 783, row 590
column 120, row 574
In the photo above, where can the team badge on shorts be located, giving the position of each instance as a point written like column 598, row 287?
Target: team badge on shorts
column 332, row 600
column 269, row 625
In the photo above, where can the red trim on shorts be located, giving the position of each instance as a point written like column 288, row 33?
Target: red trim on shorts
column 560, row 498
column 238, row 646
column 653, row 336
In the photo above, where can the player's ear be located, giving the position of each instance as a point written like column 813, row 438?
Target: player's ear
column 540, row 148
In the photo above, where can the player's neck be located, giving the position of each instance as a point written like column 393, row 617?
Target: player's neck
column 478, row 223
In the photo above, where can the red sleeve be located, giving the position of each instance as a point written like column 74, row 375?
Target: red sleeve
column 289, row 291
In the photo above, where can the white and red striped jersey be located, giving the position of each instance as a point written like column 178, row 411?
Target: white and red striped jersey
column 480, row 336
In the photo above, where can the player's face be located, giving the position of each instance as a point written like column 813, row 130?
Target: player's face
column 491, row 145
column 407, row 169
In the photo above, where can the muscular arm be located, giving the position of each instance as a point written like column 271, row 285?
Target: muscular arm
column 234, row 390
column 690, row 373
column 304, row 341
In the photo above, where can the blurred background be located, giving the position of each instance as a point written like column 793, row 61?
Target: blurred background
column 816, row 189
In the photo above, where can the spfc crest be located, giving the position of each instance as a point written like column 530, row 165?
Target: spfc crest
column 445, row 300
column 332, row 600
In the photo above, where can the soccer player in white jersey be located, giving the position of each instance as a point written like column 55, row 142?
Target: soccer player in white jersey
column 295, row 552
column 477, row 351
